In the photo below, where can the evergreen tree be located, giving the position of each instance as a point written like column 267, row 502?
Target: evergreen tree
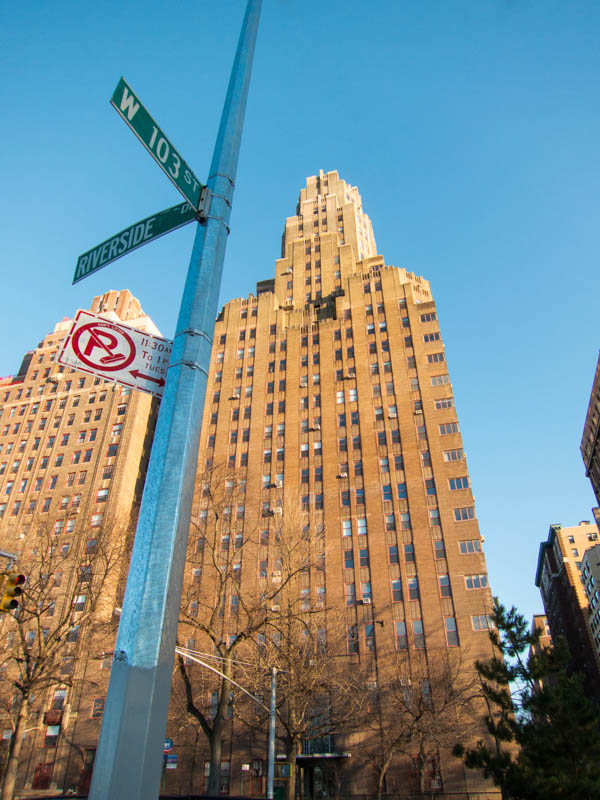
column 545, row 731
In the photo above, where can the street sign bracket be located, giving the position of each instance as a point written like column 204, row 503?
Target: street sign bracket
column 203, row 205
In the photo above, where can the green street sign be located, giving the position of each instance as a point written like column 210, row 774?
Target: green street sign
column 133, row 237
column 130, row 109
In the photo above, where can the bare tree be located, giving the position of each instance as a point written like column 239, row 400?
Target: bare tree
column 419, row 709
column 318, row 693
column 61, row 605
column 223, row 614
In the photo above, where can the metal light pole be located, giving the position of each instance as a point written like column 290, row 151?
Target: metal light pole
column 272, row 713
column 129, row 757
column 272, row 716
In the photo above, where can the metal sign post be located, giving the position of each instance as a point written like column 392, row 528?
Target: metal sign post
column 128, row 761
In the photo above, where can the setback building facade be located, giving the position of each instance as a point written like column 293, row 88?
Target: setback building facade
column 330, row 391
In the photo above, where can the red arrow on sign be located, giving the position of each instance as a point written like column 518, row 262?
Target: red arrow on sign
column 137, row 374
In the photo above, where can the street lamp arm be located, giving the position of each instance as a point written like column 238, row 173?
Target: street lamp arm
column 180, row 651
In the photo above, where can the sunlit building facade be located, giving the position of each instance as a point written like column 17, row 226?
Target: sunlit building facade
column 560, row 579
column 331, row 386
column 73, row 455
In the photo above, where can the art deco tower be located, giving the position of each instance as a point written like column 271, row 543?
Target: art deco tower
column 332, row 386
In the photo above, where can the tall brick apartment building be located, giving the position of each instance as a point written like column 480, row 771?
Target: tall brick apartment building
column 329, row 389
column 73, row 454
column 332, row 386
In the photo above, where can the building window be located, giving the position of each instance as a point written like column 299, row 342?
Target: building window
column 451, row 632
column 453, row 455
column 448, row 427
column 413, row 588
column 439, row 549
column 401, row 637
column 352, row 639
column 439, row 380
column 418, row 634
column 73, row 634
column 458, row 483
column 350, row 594
column 444, row 402
column 393, row 557
column 409, row 553
column 470, row 546
column 481, row 622
column 361, row 523
column 346, row 527
column 396, row 591
column 51, row 739
column 348, row 559
column 462, row 514
column 445, row 590
column 476, row 581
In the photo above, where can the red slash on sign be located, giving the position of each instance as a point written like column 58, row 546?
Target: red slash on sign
column 106, row 337
column 137, row 374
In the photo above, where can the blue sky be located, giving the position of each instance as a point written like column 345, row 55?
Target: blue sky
column 471, row 128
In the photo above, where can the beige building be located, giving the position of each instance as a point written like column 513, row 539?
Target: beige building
column 73, row 454
column 330, row 389
column 590, row 575
column 590, row 446
column 560, row 580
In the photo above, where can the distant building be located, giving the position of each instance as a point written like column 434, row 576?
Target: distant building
column 590, row 574
column 540, row 623
column 558, row 576
column 590, row 444
column 73, row 456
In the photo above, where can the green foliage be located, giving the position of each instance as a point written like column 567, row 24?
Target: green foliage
column 545, row 731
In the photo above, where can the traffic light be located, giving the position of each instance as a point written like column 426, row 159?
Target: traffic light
column 12, row 590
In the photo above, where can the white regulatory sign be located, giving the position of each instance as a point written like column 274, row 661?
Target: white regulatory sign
column 116, row 352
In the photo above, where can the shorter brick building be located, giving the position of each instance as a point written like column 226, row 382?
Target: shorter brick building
column 558, row 577
column 73, row 456
column 590, row 573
